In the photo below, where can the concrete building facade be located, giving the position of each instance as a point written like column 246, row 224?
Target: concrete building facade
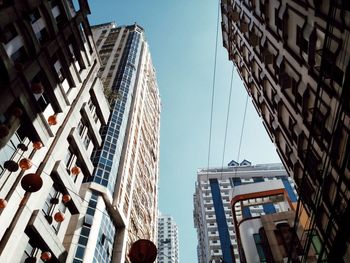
column 266, row 235
column 293, row 57
column 51, row 109
column 217, row 237
column 168, row 240
column 127, row 164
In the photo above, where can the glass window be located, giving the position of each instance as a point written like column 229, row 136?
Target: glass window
column 33, row 17
column 80, row 127
column 259, row 247
column 68, row 158
column 87, row 141
column 80, row 252
column 50, row 201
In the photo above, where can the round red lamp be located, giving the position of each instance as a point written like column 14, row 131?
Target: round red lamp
column 143, row 251
column 25, row 164
column 52, row 120
column 31, row 182
column 66, row 198
column 75, row 170
column 37, row 145
column 3, row 203
column 11, row 165
column 46, row 256
column 59, row 216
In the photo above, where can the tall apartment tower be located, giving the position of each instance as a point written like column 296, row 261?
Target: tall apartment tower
column 123, row 190
column 168, row 240
column 216, row 228
column 51, row 108
column 293, row 57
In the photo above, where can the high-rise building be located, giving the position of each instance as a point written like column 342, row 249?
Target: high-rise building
column 123, row 190
column 51, row 108
column 217, row 237
column 168, row 240
column 293, row 57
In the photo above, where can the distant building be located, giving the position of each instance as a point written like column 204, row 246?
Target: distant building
column 217, row 237
column 168, row 240
column 263, row 216
column 125, row 179
column 51, row 109
column 293, row 57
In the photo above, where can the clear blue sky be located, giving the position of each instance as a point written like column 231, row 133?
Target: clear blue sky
column 181, row 35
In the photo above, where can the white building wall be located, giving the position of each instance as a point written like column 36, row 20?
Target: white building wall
column 168, row 240
column 204, row 214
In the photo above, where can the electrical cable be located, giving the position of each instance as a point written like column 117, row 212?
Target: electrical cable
column 227, row 120
column 213, row 87
column 242, row 130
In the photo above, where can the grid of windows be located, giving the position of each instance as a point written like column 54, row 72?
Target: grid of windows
column 52, row 205
column 106, row 235
column 85, row 230
column 106, row 159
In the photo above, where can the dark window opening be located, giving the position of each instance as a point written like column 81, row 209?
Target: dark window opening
column 301, row 41
column 8, row 33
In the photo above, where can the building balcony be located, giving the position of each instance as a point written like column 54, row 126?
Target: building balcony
column 66, row 183
column 91, row 124
column 102, row 106
column 41, row 229
column 83, row 156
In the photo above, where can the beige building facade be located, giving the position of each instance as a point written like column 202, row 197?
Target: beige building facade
column 130, row 80
column 51, row 109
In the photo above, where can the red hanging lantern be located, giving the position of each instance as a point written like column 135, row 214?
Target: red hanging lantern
column 25, row 164
column 37, row 145
column 59, row 216
column 3, row 203
column 17, row 112
column 4, row 131
column 22, row 147
column 66, row 198
column 75, row 170
column 143, row 251
column 52, row 120
column 31, row 182
column 37, row 88
column 45, row 256
column 11, row 165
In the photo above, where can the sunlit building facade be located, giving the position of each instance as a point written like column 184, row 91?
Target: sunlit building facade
column 216, row 229
column 293, row 57
column 126, row 171
column 51, row 109
column 263, row 216
column 168, row 240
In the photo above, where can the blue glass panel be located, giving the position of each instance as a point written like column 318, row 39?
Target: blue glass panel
column 258, row 179
column 289, row 189
column 236, row 181
column 269, row 208
column 246, row 213
column 221, row 222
